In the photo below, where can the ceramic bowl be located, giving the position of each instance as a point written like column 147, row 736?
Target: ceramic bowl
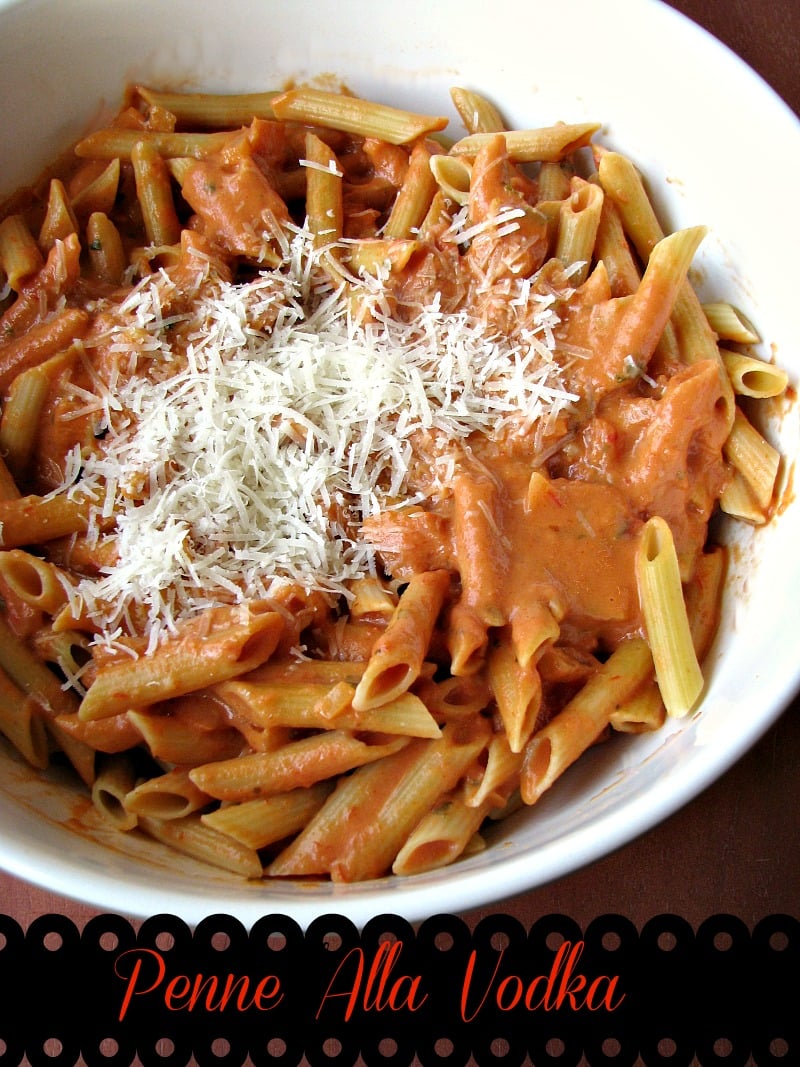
column 702, row 128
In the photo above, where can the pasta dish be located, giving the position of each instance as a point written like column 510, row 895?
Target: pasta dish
column 357, row 477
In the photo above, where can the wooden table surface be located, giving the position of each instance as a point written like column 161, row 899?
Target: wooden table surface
column 735, row 848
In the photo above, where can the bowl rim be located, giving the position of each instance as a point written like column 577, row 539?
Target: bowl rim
column 419, row 897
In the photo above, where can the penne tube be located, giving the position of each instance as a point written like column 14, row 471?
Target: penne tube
column 171, row 739
column 324, row 209
column 171, row 795
column 351, row 114
column 40, row 343
column 374, row 256
column 35, row 519
column 578, row 725
column 478, row 114
column 480, row 548
column 453, row 176
column 554, row 182
column 41, row 294
column 117, row 144
column 641, row 713
column 211, row 110
column 22, row 724
column 694, row 338
column 59, row 220
column 500, row 777
column 678, row 673
column 441, row 836
column 34, row 580
column 754, row 458
column 32, row 675
column 548, row 144
column 656, row 297
column 398, row 655
column 19, row 423
column 467, row 640
column 154, row 191
column 100, row 194
column 416, row 194
column 728, row 323
column 105, row 248
column 306, row 705
column 179, row 167
column 116, row 776
column 579, row 221
column 8, row 487
column 737, row 500
column 81, row 755
column 20, row 256
column 438, row 215
column 69, row 650
column 613, row 250
column 455, row 697
column 623, row 184
column 183, row 665
column 192, row 837
column 295, row 765
column 362, row 826
column 372, row 598
column 702, row 595
column 753, row 377
column 112, row 735
column 267, row 820
column 517, row 688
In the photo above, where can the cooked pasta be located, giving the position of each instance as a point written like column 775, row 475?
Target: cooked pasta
column 356, row 478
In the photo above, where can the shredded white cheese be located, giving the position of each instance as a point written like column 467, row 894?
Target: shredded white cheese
column 249, row 452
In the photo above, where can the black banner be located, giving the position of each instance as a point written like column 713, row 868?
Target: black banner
column 160, row 992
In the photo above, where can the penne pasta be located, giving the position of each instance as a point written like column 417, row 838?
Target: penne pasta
column 59, row 221
column 20, row 256
column 22, row 724
column 356, row 479
column 549, row 144
column 295, row 765
column 754, row 377
column 268, row 820
column 192, row 837
column 180, row 666
column 215, row 110
column 172, row 795
column 398, row 654
column 441, row 836
column 115, row 779
column 478, row 114
column 453, row 175
column 154, row 190
column 579, row 220
column 106, row 250
column 401, row 788
column 754, row 458
column 118, row 144
column 40, row 343
column 729, row 324
column 577, row 726
column 415, row 197
column 353, row 115
column 98, row 196
column 678, row 673
column 34, row 519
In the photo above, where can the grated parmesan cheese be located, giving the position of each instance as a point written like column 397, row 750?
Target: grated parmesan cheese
column 274, row 424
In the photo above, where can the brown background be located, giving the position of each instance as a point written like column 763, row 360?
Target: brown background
column 735, row 848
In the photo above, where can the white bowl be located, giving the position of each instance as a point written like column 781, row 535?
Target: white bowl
column 717, row 147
